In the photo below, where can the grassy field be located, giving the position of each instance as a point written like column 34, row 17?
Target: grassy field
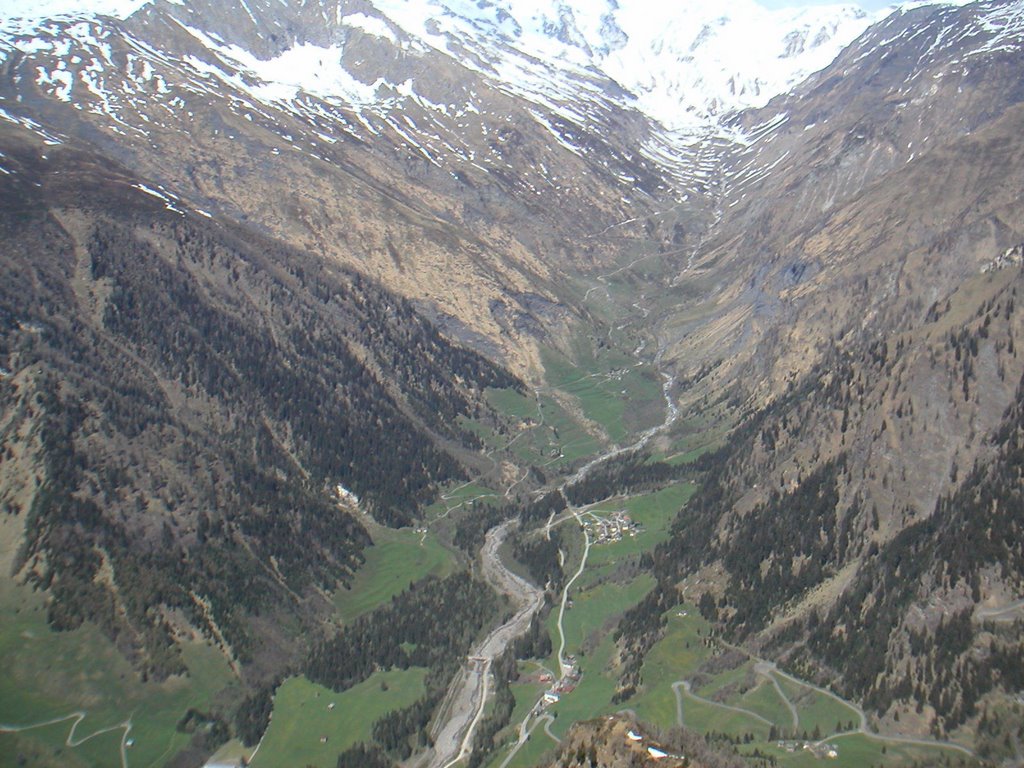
column 857, row 751
column 705, row 717
column 680, row 655
column 533, row 753
column 303, row 717
column 588, row 632
column 553, row 437
column 735, row 701
column 608, row 389
column 681, row 649
column 48, row 675
column 605, row 386
column 764, row 699
column 458, row 497
column 817, row 710
column 694, row 435
column 396, row 559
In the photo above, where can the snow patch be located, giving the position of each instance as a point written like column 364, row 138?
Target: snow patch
column 307, row 68
column 60, row 82
column 371, row 25
column 686, row 64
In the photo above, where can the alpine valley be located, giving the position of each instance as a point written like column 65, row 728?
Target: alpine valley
column 511, row 383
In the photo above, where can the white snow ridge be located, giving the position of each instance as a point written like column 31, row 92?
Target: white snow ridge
column 22, row 16
column 686, row 63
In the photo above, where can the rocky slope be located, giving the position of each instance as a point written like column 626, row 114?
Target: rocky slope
column 465, row 155
column 859, row 308
column 394, row 158
column 189, row 412
column 619, row 742
column 843, row 256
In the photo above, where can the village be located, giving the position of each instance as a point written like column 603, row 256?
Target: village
column 567, row 683
column 612, row 529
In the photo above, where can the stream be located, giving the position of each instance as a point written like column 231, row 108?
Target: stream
column 464, row 704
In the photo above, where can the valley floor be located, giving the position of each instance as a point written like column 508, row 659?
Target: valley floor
column 593, row 411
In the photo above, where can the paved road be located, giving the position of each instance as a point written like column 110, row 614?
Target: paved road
column 525, row 733
column 565, row 598
column 765, row 669
column 464, row 704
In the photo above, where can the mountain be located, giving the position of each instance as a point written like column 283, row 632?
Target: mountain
column 184, row 402
column 863, row 322
column 447, row 122
column 619, row 742
column 411, row 179
column 684, row 69
column 266, row 258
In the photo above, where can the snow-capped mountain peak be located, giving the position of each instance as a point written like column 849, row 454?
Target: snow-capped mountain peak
column 709, row 61
column 21, row 16
column 686, row 65
column 689, row 67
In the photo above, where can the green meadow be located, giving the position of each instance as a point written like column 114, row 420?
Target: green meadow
column 654, row 512
column 612, row 390
column 312, row 725
column 396, row 559
column 733, row 699
column 48, row 675
column 550, row 436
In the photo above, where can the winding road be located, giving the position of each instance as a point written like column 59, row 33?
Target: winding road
column 671, row 414
column 685, row 686
column 464, row 704
column 765, row 669
column 71, row 741
column 565, row 598
column 770, row 670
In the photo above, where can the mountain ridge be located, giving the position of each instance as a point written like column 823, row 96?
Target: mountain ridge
column 820, row 273
column 237, row 408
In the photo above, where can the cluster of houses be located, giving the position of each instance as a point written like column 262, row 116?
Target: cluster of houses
column 818, row 749
column 570, row 679
column 608, row 530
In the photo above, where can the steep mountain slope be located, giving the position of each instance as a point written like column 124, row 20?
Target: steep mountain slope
column 850, row 136
column 412, row 168
column 182, row 399
column 224, row 225
column 685, row 67
column 864, row 316
column 465, row 155
column 618, row 742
